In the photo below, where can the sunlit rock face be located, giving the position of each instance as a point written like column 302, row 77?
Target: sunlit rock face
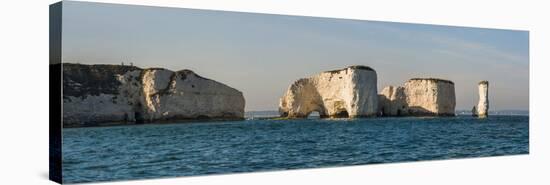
column 419, row 97
column 185, row 95
column 114, row 94
column 348, row 92
column 482, row 108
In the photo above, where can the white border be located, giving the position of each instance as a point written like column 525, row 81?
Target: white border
column 24, row 128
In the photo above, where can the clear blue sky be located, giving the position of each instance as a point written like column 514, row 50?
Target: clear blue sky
column 261, row 54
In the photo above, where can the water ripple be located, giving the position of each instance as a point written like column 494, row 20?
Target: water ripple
column 168, row 150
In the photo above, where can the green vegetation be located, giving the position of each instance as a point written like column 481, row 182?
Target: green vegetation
column 433, row 79
column 484, row 82
column 352, row 67
column 82, row 80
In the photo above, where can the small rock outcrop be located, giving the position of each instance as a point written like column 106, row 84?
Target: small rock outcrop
column 419, row 97
column 348, row 92
column 113, row 94
column 482, row 108
column 392, row 101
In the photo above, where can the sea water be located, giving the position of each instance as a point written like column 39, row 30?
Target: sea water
column 183, row 149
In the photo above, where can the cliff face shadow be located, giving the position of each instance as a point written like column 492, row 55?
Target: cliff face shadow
column 341, row 114
column 420, row 111
column 409, row 111
column 386, row 107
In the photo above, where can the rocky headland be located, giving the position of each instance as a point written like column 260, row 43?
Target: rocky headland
column 95, row 95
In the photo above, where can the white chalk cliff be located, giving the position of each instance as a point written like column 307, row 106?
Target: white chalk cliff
column 419, row 97
column 105, row 94
column 482, row 108
column 349, row 92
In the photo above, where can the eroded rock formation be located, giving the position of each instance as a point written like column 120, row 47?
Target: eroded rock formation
column 419, row 97
column 348, row 92
column 104, row 94
column 482, row 108
column 392, row 101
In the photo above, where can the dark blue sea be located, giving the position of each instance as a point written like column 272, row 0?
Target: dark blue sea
column 169, row 150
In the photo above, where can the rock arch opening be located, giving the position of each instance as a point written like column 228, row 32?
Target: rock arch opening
column 348, row 92
column 314, row 115
column 341, row 114
column 338, row 109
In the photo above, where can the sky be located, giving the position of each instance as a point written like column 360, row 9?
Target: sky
column 263, row 54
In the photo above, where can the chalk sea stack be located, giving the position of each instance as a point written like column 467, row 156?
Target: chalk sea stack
column 482, row 108
column 348, row 92
column 114, row 94
column 419, row 97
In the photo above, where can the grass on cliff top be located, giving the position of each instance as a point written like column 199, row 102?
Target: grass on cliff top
column 484, row 82
column 433, row 79
column 362, row 67
column 81, row 80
